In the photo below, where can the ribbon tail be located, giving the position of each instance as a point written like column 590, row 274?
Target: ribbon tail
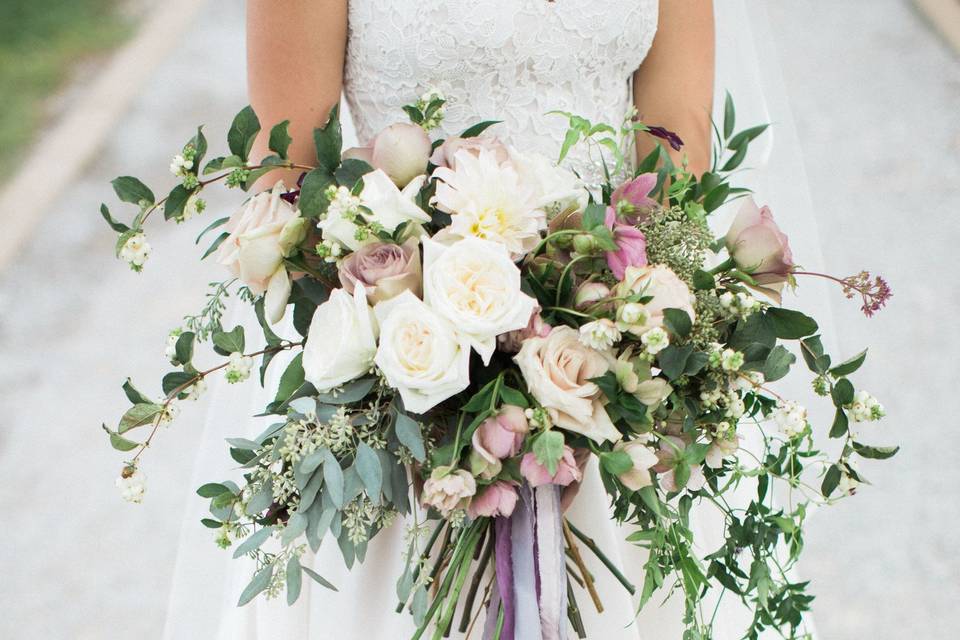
column 504, row 593
column 551, row 562
column 527, row 613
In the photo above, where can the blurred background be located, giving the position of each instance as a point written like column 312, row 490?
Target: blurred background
column 91, row 88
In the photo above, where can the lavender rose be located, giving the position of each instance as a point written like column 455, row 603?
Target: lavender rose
column 758, row 247
column 384, row 270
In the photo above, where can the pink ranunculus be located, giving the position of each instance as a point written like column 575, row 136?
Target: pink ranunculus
column 501, row 436
column 499, row 499
column 537, row 474
column 631, row 198
column 631, row 246
column 384, row 270
column 445, row 154
column 401, row 151
column 511, row 341
column 758, row 247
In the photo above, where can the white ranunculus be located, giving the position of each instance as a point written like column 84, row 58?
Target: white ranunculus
column 475, row 285
column 420, row 353
column 558, row 370
column 392, row 207
column 342, row 340
column 265, row 230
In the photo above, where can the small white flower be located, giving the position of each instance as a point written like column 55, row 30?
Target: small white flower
column 239, row 367
column 731, row 360
column 655, row 340
column 169, row 413
column 735, row 407
column 599, row 334
column 132, row 485
column 632, row 313
column 193, row 207
column 726, row 299
column 747, row 381
column 790, row 417
column 711, row 399
column 135, row 251
column 180, row 165
column 865, row 408
column 848, row 484
column 740, row 304
column 196, row 390
column 170, row 351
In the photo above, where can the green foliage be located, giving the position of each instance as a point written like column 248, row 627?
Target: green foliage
column 548, row 449
column 328, row 142
column 242, row 133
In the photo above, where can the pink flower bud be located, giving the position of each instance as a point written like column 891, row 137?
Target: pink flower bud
column 511, row 341
column 537, row 474
column 631, row 246
column 501, row 436
column 758, row 247
column 590, row 293
column 401, row 151
column 499, row 499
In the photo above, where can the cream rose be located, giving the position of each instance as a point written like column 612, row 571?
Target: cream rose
column 475, row 285
column 262, row 233
column 420, row 353
column 448, row 489
column 341, row 342
column 558, row 369
column 668, row 292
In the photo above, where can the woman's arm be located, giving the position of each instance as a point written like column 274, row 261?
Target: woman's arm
column 673, row 88
column 295, row 53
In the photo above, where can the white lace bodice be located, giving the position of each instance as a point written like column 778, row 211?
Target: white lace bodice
column 509, row 60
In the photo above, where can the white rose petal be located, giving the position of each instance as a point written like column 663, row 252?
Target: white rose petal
column 392, row 207
column 278, row 292
column 475, row 285
column 420, row 353
column 341, row 341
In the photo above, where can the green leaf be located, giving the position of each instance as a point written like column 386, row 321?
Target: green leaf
column 134, row 395
column 478, row 128
column 673, row 360
column 348, row 393
column 789, row 324
column 778, row 363
column 120, row 443
column 511, row 396
column 830, row 481
column 316, row 577
column 594, row 216
column 548, row 449
column 243, row 443
column 729, row 116
column 649, row 496
column 296, row 525
column 216, row 244
column 199, row 143
column 875, row 453
column 268, row 334
column 812, row 351
column 313, row 193
column 677, row 322
column 279, row 139
column 130, row 189
column 328, row 141
column 184, row 347
column 253, row 542
column 350, row 172
column 210, row 523
column 259, row 583
column 213, row 225
column 746, row 136
column 212, row 490
column 736, row 159
column 243, row 131
column 119, row 227
column 716, row 197
column 849, row 366
column 260, row 501
column 369, row 469
column 139, row 415
column 481, row 399
column 703, row 280
column 616, row 462
column 333, row 479
column 840, row 424
column 176, row 201
column 294, row 579
column 291, row 379
column 175, row 380
column 842, row 392
column 227, row 342
column 571, row 138
column 408, row 433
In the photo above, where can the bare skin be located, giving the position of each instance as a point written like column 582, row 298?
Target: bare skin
column 299, row 39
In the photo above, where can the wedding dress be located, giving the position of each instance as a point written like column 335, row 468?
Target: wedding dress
column 510, row 60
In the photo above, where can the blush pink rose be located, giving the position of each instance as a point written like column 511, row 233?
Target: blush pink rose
column 631, row 246
column 537, row 474
column 445, row 154
column 501, row 436
column 499, row 499
column 758, row 247
column 401, row 151
column 384, row 270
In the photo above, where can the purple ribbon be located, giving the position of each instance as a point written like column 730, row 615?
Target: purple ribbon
column 503, row 594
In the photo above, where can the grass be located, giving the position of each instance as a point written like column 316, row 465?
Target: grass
column 40, row 40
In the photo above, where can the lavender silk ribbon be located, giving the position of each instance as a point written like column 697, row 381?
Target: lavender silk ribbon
column 523, row 529
column 551, row 563
column 503, row 594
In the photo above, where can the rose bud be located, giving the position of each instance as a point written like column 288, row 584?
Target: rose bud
column 359, row 153
column 383, row 269
column 401, row 151
column 499, row 499
column 501, row 436
column 448, row 489
column 758, row 247
column 589, row 293
column 445, row 154
column 537, row 474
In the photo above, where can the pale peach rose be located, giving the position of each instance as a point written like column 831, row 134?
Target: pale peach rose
column 499, row 499
column 558, row 370
column 448, row 489
column 384, row 270
column 667, row 290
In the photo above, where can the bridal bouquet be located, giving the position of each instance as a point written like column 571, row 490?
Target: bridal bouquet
column 472, row 324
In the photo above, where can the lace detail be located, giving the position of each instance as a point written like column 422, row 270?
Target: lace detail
column 510, row 60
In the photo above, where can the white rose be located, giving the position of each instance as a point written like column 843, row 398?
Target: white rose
column 475, row 285
column 558, row 369
column 342, row 340
column 265, row 230
column 420, row 353
column 643, row 459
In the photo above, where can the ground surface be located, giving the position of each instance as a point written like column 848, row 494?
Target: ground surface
column 875, row 96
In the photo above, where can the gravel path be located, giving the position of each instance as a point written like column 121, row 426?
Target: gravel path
column 876, row 98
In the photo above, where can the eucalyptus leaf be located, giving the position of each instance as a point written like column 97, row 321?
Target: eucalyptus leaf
column 368, row 466
column 253, row 542
column 294, row 579
column 408, row 433
column 333, row 478
column 258, row 584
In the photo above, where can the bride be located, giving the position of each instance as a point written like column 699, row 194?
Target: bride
column 508, row 59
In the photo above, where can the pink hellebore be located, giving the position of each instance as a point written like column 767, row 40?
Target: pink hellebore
column 537, row 474
column 758, row 247
column 631, row 246
column 631, row 196
column 499, row 499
